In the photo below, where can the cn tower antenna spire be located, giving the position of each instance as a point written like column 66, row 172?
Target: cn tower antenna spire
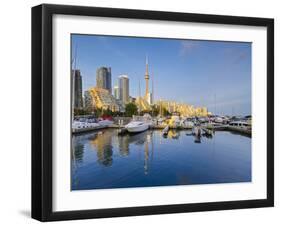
column 146, row 59
column 146, row 64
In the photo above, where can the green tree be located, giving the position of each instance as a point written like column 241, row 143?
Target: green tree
column 107, row 112
column 131, row 109
column 78, row 111
column 98, row 112
column 166, row 112
column 154, row 110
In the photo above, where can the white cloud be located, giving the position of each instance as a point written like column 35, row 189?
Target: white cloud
column 187, row 46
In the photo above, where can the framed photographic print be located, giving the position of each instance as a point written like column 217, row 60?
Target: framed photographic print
column 146, row 112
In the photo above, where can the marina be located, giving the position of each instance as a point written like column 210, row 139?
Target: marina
column 140, row 125
column 151, row 152
column 158, row 122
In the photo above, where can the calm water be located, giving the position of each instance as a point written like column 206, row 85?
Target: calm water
column 107, row 160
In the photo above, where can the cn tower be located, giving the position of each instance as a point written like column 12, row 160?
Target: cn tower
column 146, row 77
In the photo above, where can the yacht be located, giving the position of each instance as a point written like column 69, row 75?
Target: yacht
column 76, row 125
column 240, row 123
column 139, row 124
column 105, row 122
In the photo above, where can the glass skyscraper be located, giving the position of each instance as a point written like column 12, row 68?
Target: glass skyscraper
column 77, row 86
column 124, row 89
column 103, row 78
column 116, row 92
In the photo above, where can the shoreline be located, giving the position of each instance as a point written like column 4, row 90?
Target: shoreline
column 229, row 128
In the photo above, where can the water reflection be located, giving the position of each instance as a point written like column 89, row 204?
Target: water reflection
column 77, row 150
column 173, row 134
column 106, row 160
column 197, row 139
column 102, row 144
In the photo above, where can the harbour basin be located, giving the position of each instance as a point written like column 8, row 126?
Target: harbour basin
column 103, row 159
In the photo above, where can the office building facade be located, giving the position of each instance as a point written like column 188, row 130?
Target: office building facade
column 103, row 78
column 124, row 89
column 116, row 92
column 77, row 89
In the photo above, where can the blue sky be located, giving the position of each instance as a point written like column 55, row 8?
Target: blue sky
column 214, row 74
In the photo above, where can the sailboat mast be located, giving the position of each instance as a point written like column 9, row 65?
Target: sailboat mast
column 139, row 98
column 215, row 104
column 73, row 82
column 152, row 88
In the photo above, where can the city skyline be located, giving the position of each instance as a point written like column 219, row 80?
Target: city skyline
column 200, row 73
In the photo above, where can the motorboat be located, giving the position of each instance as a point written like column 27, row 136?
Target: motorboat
column 105, row 122
column 218, row 119
column 188, row 124
column 139, row 123
column 137, row 126
column 240, row 123
column 76, row 125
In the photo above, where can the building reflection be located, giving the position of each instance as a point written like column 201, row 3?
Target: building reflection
column 102, row 143
column 77, row 150
column 123, row 143
column 173, row 134
column 77, row 155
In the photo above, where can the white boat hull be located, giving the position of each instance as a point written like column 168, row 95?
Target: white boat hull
column 105, row 122
column 137, row 129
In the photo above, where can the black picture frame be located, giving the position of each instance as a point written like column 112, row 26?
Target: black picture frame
column 42, row 111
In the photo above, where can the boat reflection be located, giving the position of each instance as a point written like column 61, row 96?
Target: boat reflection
column 197, row 139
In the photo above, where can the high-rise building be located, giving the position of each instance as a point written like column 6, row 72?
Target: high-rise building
column 124, row 89
column 102, row 99
column 103, row 78
column 89, row 101
column 77, row 89
column 116, row 92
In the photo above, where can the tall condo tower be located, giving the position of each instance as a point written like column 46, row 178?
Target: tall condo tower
column 103, row 78
column 77, row 79
column 124, row 89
